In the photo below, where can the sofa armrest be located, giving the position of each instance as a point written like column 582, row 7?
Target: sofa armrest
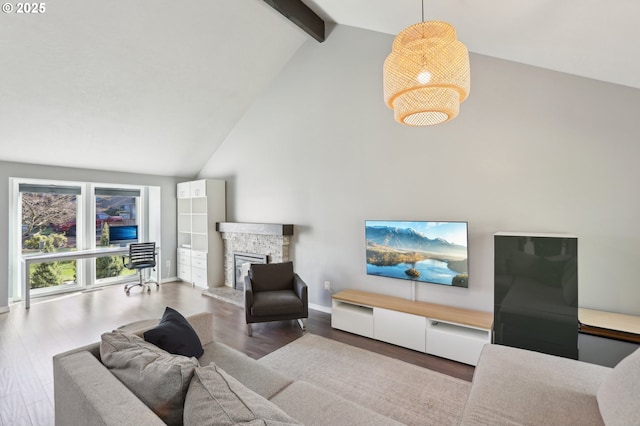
column 86, row 393
column 202, row 323
column 516, row 386
column 93, row 349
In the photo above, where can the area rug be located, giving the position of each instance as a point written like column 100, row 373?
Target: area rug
column 405, row 392
column 226, row 294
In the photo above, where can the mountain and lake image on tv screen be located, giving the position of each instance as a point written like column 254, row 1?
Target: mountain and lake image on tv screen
column 430, row 252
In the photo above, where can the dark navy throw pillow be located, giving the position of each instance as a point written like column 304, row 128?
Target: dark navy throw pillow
column 175, row 335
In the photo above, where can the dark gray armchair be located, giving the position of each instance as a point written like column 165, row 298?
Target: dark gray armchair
column 273, row 292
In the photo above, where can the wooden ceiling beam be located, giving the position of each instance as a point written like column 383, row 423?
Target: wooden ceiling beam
column 300, row 14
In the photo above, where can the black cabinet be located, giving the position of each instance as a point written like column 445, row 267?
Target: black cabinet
column 536, row 292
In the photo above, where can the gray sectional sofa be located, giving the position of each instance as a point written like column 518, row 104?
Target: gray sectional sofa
column 519, row 387
column 510, row 387
column 87, row 393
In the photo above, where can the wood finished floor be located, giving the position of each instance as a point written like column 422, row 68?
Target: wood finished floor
column 30, row 338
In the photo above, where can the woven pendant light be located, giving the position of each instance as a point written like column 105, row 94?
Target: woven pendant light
column 426, row 75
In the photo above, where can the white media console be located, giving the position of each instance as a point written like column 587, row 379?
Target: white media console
column 446, row 331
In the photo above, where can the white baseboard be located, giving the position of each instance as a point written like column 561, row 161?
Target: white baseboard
column 4, row 309
column 168, row 279
column 320, row 308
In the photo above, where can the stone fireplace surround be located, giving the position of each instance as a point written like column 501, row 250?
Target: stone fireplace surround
column 267, row 239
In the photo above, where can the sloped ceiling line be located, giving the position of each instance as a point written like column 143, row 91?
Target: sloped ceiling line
column 298, row 13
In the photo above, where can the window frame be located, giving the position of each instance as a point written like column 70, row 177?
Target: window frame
column 85, row 233
column 142, row 222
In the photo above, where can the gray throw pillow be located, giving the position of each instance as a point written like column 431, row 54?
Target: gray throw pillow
column 618, row 395
column 156, row 377
column 216, row 398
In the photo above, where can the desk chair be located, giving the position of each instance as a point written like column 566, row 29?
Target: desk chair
column 141, row 256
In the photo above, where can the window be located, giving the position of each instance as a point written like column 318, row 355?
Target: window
column 114, row 207
column 48, row 216
column 61, row 216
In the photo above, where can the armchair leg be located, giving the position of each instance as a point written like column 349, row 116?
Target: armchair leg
column 249, row 330
column 302, row 322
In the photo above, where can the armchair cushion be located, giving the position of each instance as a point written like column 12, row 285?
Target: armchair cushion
column 281, row 302
column 271, row 276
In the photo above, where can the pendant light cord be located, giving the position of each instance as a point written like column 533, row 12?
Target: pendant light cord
column 422, row 10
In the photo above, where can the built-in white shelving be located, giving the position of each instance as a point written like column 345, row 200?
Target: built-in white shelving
column 201, row 204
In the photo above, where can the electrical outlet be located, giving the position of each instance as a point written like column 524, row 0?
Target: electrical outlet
column 327, row 286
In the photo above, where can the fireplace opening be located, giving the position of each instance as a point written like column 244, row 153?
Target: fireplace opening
column 241, row 263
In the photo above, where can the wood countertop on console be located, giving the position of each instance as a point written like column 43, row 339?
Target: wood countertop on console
column 469, row 317
column 609, row 324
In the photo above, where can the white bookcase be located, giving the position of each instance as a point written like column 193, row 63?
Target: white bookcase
column 446, row 331
column 200, row 257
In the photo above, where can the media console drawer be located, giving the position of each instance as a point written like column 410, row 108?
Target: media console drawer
column 401, row 329
column 352, row 318
column 454, row 342
column 446, row 331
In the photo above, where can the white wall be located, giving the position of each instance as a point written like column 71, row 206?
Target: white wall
column 532, row 150
column 167, row 207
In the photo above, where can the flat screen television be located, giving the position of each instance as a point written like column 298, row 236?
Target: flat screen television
column 123, row 234
column 430, row 252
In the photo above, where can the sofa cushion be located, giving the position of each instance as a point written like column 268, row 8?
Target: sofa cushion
column 216, row 398
column 315, row 406
column 281, row 302
column 175, row 335
column 157, row 377
column 259, row 378
column 618, row 395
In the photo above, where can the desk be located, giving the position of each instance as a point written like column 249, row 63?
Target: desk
column 30, row 259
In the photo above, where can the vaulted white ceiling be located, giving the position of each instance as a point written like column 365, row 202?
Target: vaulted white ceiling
column 152, row 86
column 145, row 86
